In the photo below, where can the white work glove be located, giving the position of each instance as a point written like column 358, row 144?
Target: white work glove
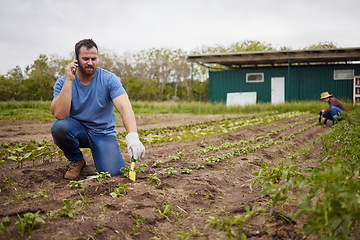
column 135, row 148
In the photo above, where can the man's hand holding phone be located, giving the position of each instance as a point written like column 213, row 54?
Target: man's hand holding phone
column 70, row 70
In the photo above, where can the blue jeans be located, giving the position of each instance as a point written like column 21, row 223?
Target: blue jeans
column 334, row 112
column 70, row 135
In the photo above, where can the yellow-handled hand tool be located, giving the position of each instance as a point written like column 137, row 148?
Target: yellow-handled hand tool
column 132, row 174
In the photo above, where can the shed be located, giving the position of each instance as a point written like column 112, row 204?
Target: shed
column 278, row 76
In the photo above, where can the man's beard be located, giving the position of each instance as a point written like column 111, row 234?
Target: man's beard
column 87, row 71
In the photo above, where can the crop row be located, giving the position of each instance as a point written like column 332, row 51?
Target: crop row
column 34, row 150
column 190, row 131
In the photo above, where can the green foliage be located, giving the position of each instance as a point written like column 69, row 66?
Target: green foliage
column 27, row 223
column 334, row 214
column 153, row 179
column 186, row 171
column 102, row 176
column 165, row 212
column 227, row 223
column 120, row 190
column 41, row 194
column 170, row 171
column 4, row 224
column 157, row 164
column 68, row 209
column 75, row 184
column 142, row 168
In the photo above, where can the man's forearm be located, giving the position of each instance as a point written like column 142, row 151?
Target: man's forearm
column 60, row 106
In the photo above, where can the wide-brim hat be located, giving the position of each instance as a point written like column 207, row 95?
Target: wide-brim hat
column 325, row 95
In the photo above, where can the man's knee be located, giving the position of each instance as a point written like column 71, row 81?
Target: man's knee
column 59, row 130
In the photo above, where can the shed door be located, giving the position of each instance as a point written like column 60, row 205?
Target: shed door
column 277, row 90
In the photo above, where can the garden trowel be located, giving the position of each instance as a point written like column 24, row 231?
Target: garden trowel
column 132, row 174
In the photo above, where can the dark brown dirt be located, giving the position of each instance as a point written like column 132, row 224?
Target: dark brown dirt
column 219, row 189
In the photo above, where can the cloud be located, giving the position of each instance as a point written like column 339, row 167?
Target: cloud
column 33, row 27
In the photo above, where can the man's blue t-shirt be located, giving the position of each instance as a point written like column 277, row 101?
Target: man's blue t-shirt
column 92, row 104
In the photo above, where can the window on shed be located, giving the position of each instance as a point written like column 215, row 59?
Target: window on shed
column 255, row 77
column 343, row 74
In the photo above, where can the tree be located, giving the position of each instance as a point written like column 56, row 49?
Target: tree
column 40, row 81
column 321, row 45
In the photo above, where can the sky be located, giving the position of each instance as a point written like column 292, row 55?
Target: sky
column 29, row 28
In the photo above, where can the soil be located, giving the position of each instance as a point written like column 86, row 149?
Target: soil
column 221, row 189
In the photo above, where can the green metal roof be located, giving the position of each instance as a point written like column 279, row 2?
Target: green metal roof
column 266, row 58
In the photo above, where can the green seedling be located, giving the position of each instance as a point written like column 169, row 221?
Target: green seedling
column 157, row 164
column 4, row 224
column 75, row 184
column 41, row 194
column 186, row 171
column 125, row 171
column 141, row 168
column 102, row 176
column 170, row 171
column 153, row 179
column 68, row 209
column 227, row 224
column 120, row 190
column 138, row 221
column 200, row 166
column 27, row 223
column 165, row 212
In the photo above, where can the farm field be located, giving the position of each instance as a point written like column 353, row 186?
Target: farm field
column 195, row 182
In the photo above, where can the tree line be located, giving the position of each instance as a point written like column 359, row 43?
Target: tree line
column 147, row 75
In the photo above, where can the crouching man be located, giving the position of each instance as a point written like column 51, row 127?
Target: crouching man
column 83, row 104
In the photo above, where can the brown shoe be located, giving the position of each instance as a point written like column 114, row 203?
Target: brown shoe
column 74, row 170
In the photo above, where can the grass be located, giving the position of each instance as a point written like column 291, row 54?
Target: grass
column 40, row 110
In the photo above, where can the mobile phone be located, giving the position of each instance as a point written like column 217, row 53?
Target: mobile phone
column 75, row 59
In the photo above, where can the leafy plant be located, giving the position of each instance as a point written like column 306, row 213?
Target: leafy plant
column 68, row 209
column 186, row 171
column 125, row 171
column 75, row 184
column 41, row 194
column 227, row 223
column 138, row 222
column 120, row 190
column 142, row 168
column 157, row 164
column 153, row 178
column 4, row 224
column 170, row 171
column 27, row 223
column 102, row 176
column 165, row 212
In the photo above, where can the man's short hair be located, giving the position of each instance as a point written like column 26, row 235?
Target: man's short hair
column 88, row 43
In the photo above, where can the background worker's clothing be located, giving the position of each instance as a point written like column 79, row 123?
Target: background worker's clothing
column 70, row 135
column 333, row 102
column 92, row 104
column 334, row 111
